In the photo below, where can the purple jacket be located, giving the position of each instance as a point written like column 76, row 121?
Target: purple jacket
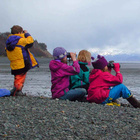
column 60, row 73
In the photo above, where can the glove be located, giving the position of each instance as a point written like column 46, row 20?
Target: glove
column 116, row 67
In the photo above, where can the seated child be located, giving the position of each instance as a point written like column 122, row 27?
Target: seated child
column 60, row 73
column 81, row 80
column 105, row 87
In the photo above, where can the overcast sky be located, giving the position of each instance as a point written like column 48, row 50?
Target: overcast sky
column 100, row 26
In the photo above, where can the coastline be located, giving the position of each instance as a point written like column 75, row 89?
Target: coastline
column 31, row 117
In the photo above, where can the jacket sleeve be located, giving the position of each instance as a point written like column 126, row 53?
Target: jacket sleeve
column 29, row 45
column 112, row 79
column 70, row 70
column 27, row 40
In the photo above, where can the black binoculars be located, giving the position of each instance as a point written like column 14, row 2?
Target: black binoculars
column 68, row 55
column 111, row 64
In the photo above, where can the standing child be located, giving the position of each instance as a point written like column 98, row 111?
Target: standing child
column 21, row 60
column 60, row 73
column 81, row 80
column 105, row 87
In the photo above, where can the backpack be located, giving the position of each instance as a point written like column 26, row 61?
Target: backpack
column 4, row 92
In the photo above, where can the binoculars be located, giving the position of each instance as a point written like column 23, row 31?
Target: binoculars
column 68, row 55
column 110, row 64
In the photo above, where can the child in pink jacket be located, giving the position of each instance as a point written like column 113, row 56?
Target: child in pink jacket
column 105, row 87
column 60, row 73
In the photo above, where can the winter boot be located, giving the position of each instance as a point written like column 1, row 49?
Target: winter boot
column 20, row 93
column 13, row 91
column 134, row 102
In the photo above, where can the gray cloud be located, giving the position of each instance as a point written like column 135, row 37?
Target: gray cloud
column 107, row 26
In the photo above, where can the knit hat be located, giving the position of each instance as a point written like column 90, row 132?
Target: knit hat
column 59, row 53
column 99, row 63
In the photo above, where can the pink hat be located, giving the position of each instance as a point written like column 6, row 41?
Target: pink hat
column 99, row 63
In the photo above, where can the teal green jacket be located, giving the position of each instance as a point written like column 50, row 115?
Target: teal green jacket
column 80, row 80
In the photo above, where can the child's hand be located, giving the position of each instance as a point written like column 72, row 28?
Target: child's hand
column 73, row 56
column 116, row 67
column 25, row 31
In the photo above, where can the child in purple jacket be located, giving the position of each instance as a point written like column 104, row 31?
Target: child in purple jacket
column 60, row 73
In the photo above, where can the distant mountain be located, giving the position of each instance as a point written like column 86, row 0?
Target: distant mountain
column 38, row 49
column 121, row 57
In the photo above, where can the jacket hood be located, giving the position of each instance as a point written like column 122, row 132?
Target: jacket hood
column 95, row 73
column 55, row 65
column 11, row 42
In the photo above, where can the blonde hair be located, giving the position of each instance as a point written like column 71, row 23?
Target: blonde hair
column 84, row 56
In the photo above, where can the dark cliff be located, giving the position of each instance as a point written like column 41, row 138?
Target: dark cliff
column 38, row 49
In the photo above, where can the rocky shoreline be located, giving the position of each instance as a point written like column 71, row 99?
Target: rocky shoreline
column 44, row 118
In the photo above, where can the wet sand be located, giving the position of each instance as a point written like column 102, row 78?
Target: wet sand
column 38, row 80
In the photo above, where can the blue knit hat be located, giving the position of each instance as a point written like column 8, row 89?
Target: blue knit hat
column 59, row 53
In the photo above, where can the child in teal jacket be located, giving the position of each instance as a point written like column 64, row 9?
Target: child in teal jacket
column 81, row 80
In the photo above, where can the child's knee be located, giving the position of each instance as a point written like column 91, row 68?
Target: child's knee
column 126, row 93
column 84, row 92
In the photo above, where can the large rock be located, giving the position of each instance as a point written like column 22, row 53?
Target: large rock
column 38, row 49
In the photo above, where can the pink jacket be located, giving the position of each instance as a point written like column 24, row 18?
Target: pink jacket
column 60, row 73
column 99, row 85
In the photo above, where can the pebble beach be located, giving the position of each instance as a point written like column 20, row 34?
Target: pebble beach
column 41, row 118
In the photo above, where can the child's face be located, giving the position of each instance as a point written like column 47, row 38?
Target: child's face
column 106, row 69
column 64, row 60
